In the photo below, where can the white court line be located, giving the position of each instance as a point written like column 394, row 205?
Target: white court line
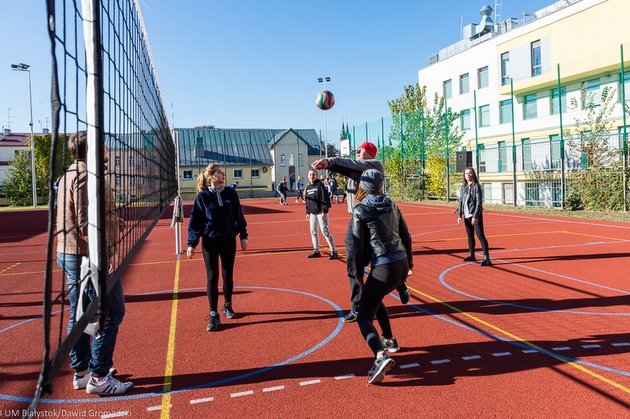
column 530, row 351
column 471, row 357
column 440, row 361
column 497, row 354
column 204, row 400
column 310, row 382
column 561, row 348
column 116, row 414
column 621, row 344
column 594, row 345
column 242, row 393
column 276, row 388
column 343, row 377
column 412, row 365
column 158, row 407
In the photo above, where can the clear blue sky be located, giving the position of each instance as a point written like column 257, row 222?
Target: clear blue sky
column 254, row 63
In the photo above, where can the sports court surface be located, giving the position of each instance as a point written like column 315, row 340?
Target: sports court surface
column 545, row 331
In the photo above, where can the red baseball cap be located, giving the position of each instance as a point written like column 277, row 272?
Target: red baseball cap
column 369, row 147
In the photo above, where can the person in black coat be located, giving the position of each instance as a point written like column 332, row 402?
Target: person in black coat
column 470, row 208
column 217, row 217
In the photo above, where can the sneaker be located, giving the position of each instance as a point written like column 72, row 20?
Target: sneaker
column 228, row 312
column 350, row 317
column 315, row 254
column 486, row 262
column 390, row 345
column 379, row 369
column 80, row 380
column 107, row 386
column 215, row 322
column 333, row 255
column 470, row 258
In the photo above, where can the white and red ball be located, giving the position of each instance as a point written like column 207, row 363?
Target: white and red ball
column 325, row 100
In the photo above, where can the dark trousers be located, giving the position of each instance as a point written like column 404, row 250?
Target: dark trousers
column 355, row 287
column 477, row 228
column 382, row 280
column 213, row 248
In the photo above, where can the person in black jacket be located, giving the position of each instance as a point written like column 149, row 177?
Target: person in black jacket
column 317, row 206
column 217, row 217
column 471, row 209
column 380, row 237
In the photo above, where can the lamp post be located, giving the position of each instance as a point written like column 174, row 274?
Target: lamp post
column 324, row 80
column 25, row 67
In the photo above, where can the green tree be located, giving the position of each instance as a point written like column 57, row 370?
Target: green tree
column 17, row 186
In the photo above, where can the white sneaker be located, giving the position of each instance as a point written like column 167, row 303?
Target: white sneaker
column 79, row 382
column 107, row 386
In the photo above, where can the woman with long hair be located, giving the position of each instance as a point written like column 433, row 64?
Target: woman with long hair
column 217, row 218
column 470, row 208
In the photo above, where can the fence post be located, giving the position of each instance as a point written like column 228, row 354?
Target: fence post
column 624, row 142
column 562, row 157
column 513, row 143
column 423, row 149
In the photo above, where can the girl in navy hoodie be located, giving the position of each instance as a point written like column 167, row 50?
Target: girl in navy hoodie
column 218, row 218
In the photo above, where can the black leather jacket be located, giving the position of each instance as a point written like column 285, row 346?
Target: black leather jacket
column 378, row 229
column 475, row 202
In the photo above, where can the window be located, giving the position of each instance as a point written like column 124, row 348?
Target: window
column 237, row 174
column 132, row 161
column 143, row 161
column 117, row 161
column 117, row 180
column 464, row 84
column 530, row 110
column 187, row 175
column 505, row 111
column 464, row 119
column 532, row 194
column 484, row 115
column 554, row 141
column 482, row 77
column 526, row 146
column 447, row 89
column 502, row 162
column 591, row 93
column 505, row 68
column 487, row 192
column 301, row 159
column 625, row 86
column 255, row 173
column 291, row 159
column 482, row 158
column 558, row 100
column 283, row 160
column 132, row 181
column 536, row 60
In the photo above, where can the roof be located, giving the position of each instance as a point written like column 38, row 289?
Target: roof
column 15, row 139
column 235, row 146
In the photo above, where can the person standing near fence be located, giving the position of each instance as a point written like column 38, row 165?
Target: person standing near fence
column 217, row 218
column 470, row 208
column 352, row 169
column 299, row 186
column 317, row 206
column 92, row 365
column 380, row 237
column 282, row 189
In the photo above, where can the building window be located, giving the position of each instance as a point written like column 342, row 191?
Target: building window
column 301, row 159
column 557, row 100
column 536, row 60
column 505, row 111
column 143, row 161
column 625, row 86
column 482, row 77
column 554, row 142
column 502, row 162
column 447, row 89
column 132, row 161
column 187, row 175
column 526, row 145
column 505, row 68
column 487, row 192
column 482, row 158
column 283, row 160
column 464, row 119
column 132, row 181
column 530, row 110
column 237, row 174
column 532, row 196
column 117, row 161
column 255, row 173
column 591, row 93
column 464, row 84
column 484, row 116
column 117, row 180
column 291, row 159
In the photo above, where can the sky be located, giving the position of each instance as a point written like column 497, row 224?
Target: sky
column 255, row 63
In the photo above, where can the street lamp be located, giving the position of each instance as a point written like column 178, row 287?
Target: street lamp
column 325, row 80
column 25, row 67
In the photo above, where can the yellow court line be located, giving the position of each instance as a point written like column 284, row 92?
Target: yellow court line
column 170, row 352
column 593, row 235
column 531, row 345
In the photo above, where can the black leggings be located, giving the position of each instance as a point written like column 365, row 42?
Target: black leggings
column 477, row 228
column 382, row 280
column 224, row 247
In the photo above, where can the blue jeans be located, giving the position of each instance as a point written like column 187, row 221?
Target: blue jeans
column 98, row 359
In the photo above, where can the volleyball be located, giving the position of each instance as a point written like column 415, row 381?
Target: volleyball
column 325, row 100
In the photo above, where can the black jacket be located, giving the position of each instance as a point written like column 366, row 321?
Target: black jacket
column 378, row 229
column 473, row 197
column 317, row 200
column 211, row 218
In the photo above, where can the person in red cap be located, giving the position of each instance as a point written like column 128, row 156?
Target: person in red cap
column 352, row 169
